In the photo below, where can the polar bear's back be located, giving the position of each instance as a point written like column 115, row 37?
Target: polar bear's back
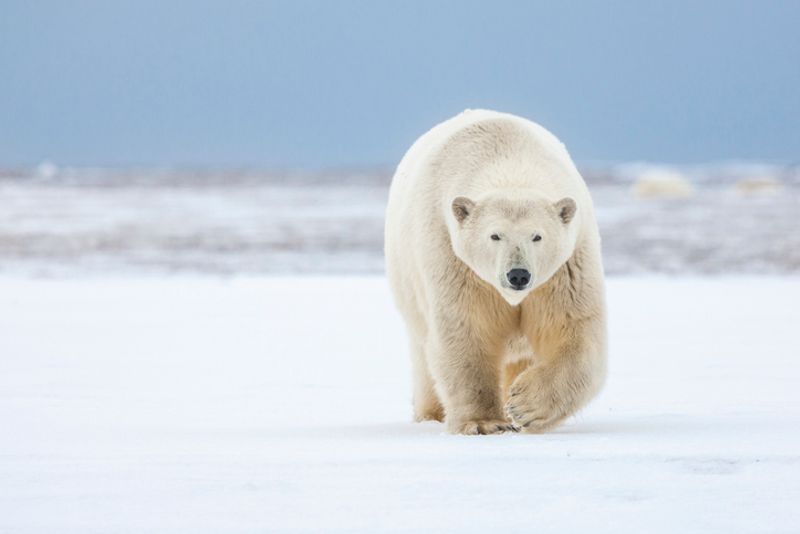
column 444, row 138
column 441, row 165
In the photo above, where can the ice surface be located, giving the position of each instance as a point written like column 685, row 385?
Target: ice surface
column 282, row 405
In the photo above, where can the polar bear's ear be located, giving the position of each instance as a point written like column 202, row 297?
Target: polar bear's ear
column 462, row 207
column 566, row 209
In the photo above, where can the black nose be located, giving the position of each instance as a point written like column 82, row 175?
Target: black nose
column 519, row 278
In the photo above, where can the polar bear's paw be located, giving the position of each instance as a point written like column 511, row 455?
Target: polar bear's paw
column 481, row 427
column 534, row 407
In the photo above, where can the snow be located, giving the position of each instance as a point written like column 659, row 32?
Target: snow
column 282, row 405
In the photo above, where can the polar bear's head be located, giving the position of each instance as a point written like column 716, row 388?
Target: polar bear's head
column 514, row 244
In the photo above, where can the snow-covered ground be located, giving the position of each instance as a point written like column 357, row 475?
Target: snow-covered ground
column 282, row 405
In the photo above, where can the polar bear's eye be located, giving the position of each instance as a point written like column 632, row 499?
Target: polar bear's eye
column 495, row 237
column 536, row 238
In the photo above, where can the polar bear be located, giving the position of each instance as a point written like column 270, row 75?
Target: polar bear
column 493, row 257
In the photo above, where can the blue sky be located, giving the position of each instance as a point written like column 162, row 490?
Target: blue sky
column 325, row 84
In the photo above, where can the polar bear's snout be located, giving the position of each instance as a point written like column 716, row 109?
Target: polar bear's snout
column 519, row 278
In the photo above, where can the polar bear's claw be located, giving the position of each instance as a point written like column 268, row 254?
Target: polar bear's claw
column 532, row 418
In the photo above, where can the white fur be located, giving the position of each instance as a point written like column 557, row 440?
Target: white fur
column 486, row 357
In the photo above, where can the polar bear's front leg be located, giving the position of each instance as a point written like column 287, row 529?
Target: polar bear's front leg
column 569, row 370
column 467, row 376
column 469, row 387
